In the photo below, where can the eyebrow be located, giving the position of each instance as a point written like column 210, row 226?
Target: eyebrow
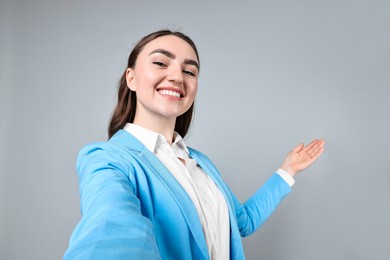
column 173, row 56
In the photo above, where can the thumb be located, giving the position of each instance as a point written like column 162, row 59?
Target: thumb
column 298, row 148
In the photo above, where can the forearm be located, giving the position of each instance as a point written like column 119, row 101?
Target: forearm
column 256, row 210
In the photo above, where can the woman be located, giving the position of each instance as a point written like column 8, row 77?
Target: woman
column 144, row 194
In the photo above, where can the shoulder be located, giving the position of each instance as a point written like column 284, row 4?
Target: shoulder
column 100, row 154
column 117, row 152
column 118, row 146
column 95, row 149
column 120, row 151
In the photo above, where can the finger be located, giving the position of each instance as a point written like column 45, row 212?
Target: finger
column 298, row 148
column 312, row 151
column 309, row 146
column 318, row 150
column 319, row 146
column 312, row 146
column 317, row 154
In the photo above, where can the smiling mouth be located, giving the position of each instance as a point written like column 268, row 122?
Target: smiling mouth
column 172, row 93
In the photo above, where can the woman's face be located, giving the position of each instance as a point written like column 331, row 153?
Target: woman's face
column 165, row 78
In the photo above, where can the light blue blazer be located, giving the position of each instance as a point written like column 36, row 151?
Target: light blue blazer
column 133, row 208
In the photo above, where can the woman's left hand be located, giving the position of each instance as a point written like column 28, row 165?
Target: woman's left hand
column 302, row 156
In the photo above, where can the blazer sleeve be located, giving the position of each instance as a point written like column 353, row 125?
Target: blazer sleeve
column 112, row 225
column 256, row 210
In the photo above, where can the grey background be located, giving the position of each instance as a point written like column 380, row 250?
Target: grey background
column 274, row 73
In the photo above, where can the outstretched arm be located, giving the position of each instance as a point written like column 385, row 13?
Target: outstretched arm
column 112, row 226
column 256, row 210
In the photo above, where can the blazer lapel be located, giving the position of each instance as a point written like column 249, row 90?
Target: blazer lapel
column 236, row 248
column 178, row 193
column 217, row 180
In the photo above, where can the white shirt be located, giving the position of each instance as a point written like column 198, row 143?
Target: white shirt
column 208, row 200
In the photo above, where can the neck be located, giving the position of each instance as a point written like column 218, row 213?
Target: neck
column 163, row 126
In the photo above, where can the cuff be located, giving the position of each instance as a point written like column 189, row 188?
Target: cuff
column 286, row 177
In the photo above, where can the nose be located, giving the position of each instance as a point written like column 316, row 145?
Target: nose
column 175, row 75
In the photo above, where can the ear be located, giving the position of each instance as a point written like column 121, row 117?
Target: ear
column 130, row 79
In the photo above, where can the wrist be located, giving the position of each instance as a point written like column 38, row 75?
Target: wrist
column 288, row 170
column 286, row 177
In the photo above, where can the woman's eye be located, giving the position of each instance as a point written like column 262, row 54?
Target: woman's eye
column 190, row 73
column 159, row 63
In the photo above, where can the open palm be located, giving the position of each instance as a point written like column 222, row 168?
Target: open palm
column 302, row 156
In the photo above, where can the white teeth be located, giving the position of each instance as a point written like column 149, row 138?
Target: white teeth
column 169, row 93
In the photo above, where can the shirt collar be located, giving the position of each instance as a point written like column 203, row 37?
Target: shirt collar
column 151, row 139
column 179, row 142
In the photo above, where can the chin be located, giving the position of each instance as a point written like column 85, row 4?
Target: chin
column 173, row 113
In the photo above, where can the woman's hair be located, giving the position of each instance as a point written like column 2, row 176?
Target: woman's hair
column 124, row 111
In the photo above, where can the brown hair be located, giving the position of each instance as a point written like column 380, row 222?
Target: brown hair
column 124, row 111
